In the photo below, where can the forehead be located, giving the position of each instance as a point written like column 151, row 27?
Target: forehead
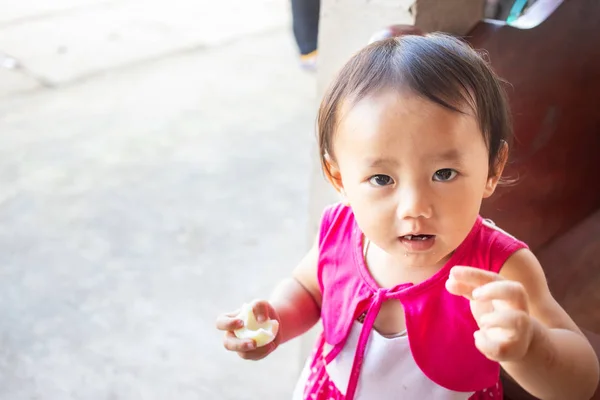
column 387, row 121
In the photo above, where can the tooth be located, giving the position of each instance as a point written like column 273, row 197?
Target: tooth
column 409, row 237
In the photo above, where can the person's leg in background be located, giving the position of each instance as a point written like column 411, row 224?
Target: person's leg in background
column 305, row 25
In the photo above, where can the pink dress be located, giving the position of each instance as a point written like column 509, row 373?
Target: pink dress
column 436, row 359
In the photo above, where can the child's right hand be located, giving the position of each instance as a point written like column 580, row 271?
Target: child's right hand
column 246, row 348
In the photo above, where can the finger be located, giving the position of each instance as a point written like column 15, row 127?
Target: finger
column 260, row 309
column 493, row 343
column 459, row 288
column 500, row 344
column 259, row 353
column 227, row 322
column 509, row 320
column 485, row 345
column 233, row 313
column 473, row 276
column 511, row 292
column 232, row 343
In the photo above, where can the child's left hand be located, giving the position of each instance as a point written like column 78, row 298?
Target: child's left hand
column 500, row 308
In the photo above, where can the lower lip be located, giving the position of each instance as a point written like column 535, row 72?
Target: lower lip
column 418, row 245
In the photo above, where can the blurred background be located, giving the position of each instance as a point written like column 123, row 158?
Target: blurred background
column 154, row 167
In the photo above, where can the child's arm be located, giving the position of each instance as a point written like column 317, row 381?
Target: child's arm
column 526, row 330
column 560, row 362
column 295, row 304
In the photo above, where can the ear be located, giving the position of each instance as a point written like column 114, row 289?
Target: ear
column 496, row 174
column 334, row 176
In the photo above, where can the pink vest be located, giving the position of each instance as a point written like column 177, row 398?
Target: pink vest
column 440, row 325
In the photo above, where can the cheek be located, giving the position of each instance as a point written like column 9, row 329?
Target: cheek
column 375, row 202
column 464, row 197
column 374, row 215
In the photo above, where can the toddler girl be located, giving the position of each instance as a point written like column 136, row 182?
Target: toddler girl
column 419, row 296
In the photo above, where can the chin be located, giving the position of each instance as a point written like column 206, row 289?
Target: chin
column 433, row 256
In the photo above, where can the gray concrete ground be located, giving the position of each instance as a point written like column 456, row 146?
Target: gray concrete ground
column 154, row 167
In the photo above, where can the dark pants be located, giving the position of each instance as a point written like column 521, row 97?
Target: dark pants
column 305, row 24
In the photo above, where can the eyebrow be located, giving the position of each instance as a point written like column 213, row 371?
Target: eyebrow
column 450, row 155
column 380, row 162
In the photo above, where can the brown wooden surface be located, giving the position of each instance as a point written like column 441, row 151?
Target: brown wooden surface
column 554, row 72
column 577, row 284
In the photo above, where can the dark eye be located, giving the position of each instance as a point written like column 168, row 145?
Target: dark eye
column 444, row 175
column 381, row 180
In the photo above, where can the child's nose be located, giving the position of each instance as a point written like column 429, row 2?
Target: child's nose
column 413, row 202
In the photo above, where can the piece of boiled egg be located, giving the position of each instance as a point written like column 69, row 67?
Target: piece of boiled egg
column 262, row 333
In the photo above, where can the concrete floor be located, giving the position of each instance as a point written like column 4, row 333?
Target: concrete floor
column 143, row 191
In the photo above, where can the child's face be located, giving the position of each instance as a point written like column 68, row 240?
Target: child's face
column 408, row 166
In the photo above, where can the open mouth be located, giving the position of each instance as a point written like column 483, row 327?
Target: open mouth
column 417, row 243
column 417, row 237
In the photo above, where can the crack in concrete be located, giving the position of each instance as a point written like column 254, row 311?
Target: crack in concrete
column 46, row 84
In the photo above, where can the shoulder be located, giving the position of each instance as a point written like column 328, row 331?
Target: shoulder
column 513, row 258
column 336, row 218
column 498, row 238
column 523, row 266
column 495, row 245
column 334, row 212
